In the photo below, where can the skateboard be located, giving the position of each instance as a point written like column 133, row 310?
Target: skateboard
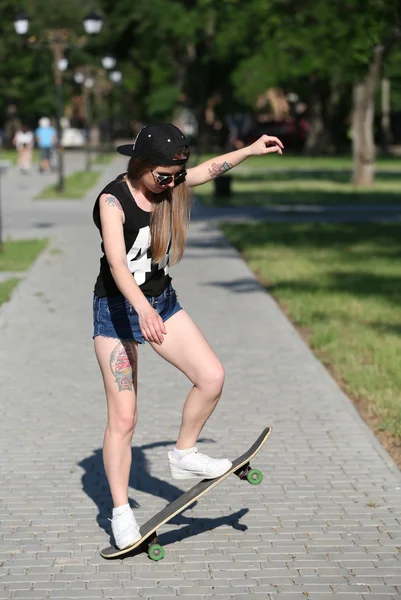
column 149, row 539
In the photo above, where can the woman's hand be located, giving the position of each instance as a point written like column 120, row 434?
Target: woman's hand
column 151, row 325
column 265, row 145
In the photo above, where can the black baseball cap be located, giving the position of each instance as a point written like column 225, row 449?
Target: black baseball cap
column 158, row 144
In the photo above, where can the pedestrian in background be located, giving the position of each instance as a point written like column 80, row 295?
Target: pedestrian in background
column 24, row 142
column 46, row 138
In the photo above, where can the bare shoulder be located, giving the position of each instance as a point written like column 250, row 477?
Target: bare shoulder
column 110, row 200
column 111, row 209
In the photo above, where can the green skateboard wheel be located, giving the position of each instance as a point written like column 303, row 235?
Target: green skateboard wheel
column 156, row 552
column 254, row 476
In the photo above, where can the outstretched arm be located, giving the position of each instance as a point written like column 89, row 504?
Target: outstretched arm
column 214, row 167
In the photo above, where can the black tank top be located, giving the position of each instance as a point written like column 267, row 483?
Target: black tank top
column 151, row 278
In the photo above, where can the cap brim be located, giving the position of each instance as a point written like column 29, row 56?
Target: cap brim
column 126, row 150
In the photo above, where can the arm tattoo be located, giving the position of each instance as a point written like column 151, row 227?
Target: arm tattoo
column 112, row 201
column 215, row 170
column 123, row 363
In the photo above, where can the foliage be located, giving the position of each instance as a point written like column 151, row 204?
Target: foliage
column 26, row 74
column 303, row 38
column 174, row 52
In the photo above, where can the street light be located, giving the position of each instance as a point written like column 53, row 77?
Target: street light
column 108, row 61
column 21, row 23
column 79, row 77
column 62, row 64
column 93, row 23
column 58, row 40
column 116, row 76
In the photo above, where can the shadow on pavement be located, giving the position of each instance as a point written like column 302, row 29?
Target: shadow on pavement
column 246, row 285
column 95, row 485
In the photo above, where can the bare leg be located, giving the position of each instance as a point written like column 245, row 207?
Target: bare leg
column 20, row 158
column 186, row 348
column 28, row 159
column 118, row 360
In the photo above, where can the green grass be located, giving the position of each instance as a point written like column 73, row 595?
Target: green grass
column 18, row 255
column 341, row 284
column 104, row 158
column 9, row 155
column 302, row 181
column 75, row 186
column 6, row 288
column 291, row 161
column 12, row 156
column 298, row 189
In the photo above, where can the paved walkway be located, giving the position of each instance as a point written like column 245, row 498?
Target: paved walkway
column 22, row 216
column 326, row 519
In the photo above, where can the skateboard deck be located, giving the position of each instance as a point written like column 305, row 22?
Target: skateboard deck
column 240, row 467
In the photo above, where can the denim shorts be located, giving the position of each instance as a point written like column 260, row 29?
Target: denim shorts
column 114, row 316
column 45, row 153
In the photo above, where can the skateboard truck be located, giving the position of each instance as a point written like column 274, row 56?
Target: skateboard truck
column 153, row 548
column 253, row 476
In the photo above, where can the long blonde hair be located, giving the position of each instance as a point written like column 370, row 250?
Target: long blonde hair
column 170, row 219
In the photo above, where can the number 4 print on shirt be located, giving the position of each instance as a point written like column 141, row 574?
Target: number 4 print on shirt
column 137, row 258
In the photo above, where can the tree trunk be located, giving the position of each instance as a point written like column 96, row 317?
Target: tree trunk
column 318, row 138
column 385, row 117
column 316, row 131
column 363, row 146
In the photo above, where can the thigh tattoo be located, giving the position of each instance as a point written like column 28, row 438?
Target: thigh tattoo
column 123, row 364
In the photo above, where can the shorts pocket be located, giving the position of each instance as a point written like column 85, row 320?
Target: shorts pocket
column 169, row 292
column 119, row 306
column 96, row 307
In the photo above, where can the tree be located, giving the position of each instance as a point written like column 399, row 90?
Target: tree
column 26, row 74
column 170, row 46
column 312, row 40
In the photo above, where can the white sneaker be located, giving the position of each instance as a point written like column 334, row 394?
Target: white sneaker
column 195, row 465
column 125, row 529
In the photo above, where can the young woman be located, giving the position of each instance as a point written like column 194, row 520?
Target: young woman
column 24, row 141
column 142, row 217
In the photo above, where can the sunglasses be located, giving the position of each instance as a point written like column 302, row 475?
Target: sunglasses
column 167, row 179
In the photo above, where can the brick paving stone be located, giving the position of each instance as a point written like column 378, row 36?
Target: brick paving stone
column 295, row 596
column 31, row 594
column 330, row 493
column 381, row 597
column 61, row 594
column 345, row 596
column 383, row 589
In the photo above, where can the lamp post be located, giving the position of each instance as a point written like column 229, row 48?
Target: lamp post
column 4, row 165
column 59, row 40
column 109, row 62
column 116, row 78
column 84, row 76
